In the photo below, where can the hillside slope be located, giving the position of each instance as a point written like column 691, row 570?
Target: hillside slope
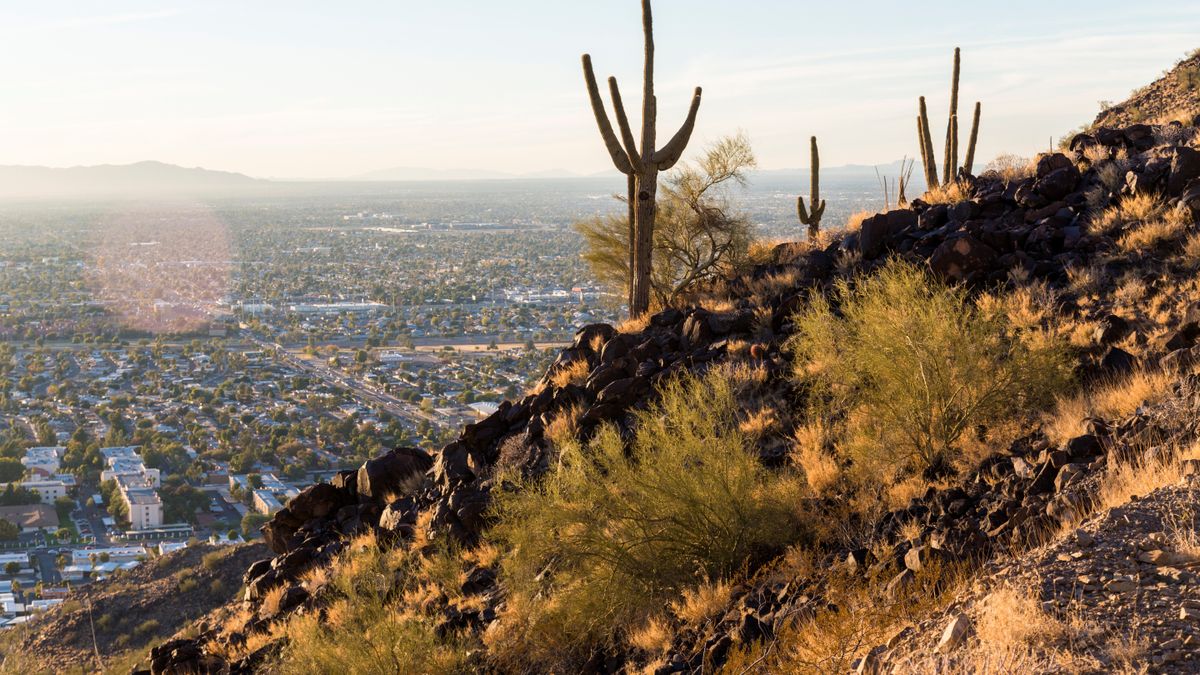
column 483, row 556
column 129, row 610
column 1176, row 95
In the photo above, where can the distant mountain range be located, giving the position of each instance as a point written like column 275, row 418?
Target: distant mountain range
column 412, row 173
column 142, row 178
column 405, row 174
column 160, row 179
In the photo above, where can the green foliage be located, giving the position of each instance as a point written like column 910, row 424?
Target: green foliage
column 909, row 364
column 8, row 531
column 211, row 561
column 697, row 237
column 18, row 496
column 11, row 470
column 251, row 522
column 362, row 632
column 612, row 533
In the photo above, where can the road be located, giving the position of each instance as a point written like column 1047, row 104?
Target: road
column 384, row 401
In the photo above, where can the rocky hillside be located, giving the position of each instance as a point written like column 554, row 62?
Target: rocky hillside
column 1176, row 95
column 399, row 567
column 129, row 611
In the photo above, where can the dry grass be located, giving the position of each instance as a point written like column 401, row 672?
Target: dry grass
column 270, row 602
column 1126, row 480
column 653, row 637
column 563, row 429
column 855, row 221
column 575, row 373
column 1191, row 251
column 1011, row 168
column 631, row 325
column 820, row 469
column 1084, row 281
column 760, row 423
column 1140, row 208
column 1030, row 306
column 1012, row 618
column 1130, row 290
column 772, row 285
column 1150, row 234
column 859, row 617
column 698, row 605
column 949, row 193
column 1111, row 400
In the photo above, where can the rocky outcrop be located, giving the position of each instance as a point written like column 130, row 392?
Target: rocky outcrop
column 1037, row 227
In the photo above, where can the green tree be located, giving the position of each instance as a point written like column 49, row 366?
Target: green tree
column 11, row 470
column 696, row 235
column 8, row 531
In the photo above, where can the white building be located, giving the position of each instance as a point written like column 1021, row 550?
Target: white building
column 44, row 458
column 145, row 507
column 83, row 556
column 47, row 490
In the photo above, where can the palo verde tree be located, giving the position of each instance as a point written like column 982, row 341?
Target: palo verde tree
column 950, row 166
column 641, row 165
column 698, row 236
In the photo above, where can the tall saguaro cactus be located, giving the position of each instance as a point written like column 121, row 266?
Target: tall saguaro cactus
column 950, row 165
column 642, row 165
column 813, row 220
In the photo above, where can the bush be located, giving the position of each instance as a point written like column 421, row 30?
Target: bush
column 611, row 534
column 211, row 561
column 146, row 628
column 908, row 364
column 361, row 632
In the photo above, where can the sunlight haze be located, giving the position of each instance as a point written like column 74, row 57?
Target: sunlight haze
column 317, row 90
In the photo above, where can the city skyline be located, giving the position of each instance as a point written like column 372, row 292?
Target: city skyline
column 313, row 93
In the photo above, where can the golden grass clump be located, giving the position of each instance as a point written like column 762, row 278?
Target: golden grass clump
column 1112, row 400
column 948, row 193
column 1011, row 168
column 698, row 605
column 1142, row 207
column 1012, row 618
column 575, row 373
column 1150, row 234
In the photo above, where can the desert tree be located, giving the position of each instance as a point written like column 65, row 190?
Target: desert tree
column 640, row 165
column 697, row 237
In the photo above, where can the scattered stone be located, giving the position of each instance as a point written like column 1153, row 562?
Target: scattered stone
column 955, row 633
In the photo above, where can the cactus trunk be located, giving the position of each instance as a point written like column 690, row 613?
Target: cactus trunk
column 969, row 164
column 643, row 165
column 813, row 220
column 931, row 175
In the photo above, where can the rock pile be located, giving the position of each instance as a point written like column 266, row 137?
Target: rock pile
column 1037, row 225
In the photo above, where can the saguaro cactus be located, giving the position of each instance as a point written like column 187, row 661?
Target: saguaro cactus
column 950, row 165
column 643, row 164
column 813, row 220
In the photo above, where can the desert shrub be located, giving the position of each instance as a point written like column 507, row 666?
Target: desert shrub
column 611, row 533
column 908, row 364
column 363, row 630
column 212, row 561
column 146, row 628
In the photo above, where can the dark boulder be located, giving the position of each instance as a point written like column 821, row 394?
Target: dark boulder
column 958, row 259
column 387, row 474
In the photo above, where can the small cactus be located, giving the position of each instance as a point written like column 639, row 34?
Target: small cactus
column 813, row 220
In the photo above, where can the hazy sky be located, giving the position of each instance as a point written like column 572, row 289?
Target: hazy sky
column 330, row 89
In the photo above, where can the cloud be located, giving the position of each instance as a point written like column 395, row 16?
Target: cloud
column 124, row 18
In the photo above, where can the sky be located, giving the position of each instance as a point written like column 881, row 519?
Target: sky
column 313, row 90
